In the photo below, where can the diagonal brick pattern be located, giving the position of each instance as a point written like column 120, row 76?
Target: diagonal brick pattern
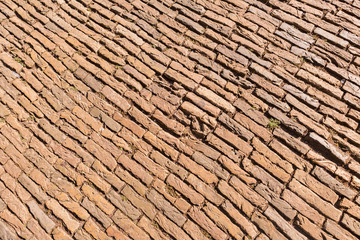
column 179, row 119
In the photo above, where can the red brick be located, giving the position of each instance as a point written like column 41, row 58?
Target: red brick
column 130, row 180
column 236, row 170
column 162, row 146
column 167, row 163
column 105, row 65
column 313, row 199
column 200, row 218
column 267, row 226
column 152, row 230
column 135, row 169
column 139, row 202
column 19, row 227
column 19, row 159
column 170, row 211
column 200, row 102
column 128, row 226
column 234, row 140
column 197, row 169
column 15, row 205
column 194, row 231
column 175, row 142
column 339, row 232
column 193, row 110
column 101, row 154
column 115, row 98
column 37, row 230
column 95, row 231
column 288, row 229
column 130, row 142
column 151, row 166
column 310, row 228
column 232, row 153
column 236, row 198
column 87, row 118
column 242, row 221
column 180, row 186
column 210, row 165
column 180, row 78
column 182, row 205
column 61, row 213
column 106, row 145
column 114, row 232
column 170, row 227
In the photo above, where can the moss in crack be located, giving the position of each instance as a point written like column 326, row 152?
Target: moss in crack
column 19, row 60
column 206, row 234
column 171, row 191
column 273, row 123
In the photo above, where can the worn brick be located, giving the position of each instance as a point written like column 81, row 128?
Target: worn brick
column 194, row 231
column 122, row 203
column 101, row 154
column 262, row 175
column 313, row 199
column 94, row 230
column 99, row 200
column 39, row 214
column 291, row 141
column 162, row 146
column 339, row 232
column 180, row 78
column 267, row 226
column 129, row 179
column 232, row 153
column 197, row 169
column 152, row 230
column 236, row 198
column 139, row 202
column 166, row 207
column 115, row 98
column 15, row 205
column 287, row 122
column 61, row 213
column 199, row 217
column 156, row 169
column 275, row 200
column 167, row 163
column 173, row 125
column 170, row 227
column 205, row 189
column 255, row 128
column 334, row 184
column 351, row 223
column 184, row 189
column 288, row 229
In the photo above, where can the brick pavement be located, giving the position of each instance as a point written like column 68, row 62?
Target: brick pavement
column 179, row 119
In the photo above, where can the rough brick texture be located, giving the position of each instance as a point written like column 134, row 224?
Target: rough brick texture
column 180, row 119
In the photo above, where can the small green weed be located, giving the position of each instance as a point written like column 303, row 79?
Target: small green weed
column 74, row 89
column 171, row 191
column 273, row 123
column 19, row 60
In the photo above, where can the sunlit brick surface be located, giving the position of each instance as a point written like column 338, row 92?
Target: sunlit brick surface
column 179, row 119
